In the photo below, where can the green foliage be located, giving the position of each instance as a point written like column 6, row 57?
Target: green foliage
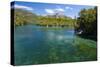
column 87, row 21
column 53, row 21
column 23, row 17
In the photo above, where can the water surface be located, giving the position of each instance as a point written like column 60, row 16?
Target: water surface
column 40, row 45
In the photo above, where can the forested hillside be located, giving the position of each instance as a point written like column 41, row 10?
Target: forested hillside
column 23, row 17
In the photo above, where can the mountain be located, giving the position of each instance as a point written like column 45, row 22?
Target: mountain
column 23, row 17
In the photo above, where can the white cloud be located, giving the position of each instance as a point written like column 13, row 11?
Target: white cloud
column 69, row 8
column 23, row 7
column 60, row 9
column 51, row 11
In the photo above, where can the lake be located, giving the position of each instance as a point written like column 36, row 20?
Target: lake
column 40, row 45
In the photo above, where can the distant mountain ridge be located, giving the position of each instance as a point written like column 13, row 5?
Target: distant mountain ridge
column 24, row 17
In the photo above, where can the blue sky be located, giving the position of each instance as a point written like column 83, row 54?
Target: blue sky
column 48, row 8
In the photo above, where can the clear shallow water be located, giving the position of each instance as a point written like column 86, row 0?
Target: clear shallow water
column 40, row 45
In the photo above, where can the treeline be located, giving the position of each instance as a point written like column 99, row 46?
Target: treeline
column 23, row 17
column 53, row 21
column 87, row 23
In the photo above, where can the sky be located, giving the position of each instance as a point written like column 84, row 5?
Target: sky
column 50, row 8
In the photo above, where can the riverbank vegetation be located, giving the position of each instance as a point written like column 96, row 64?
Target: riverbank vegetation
column 87, row 23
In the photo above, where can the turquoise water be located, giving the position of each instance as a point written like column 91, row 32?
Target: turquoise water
column 40, row 45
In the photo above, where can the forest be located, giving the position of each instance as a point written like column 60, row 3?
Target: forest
column 87, row 23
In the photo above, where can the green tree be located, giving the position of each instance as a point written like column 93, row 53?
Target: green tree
column 87, row 22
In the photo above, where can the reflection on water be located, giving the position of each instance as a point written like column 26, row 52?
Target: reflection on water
column 37, row 45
